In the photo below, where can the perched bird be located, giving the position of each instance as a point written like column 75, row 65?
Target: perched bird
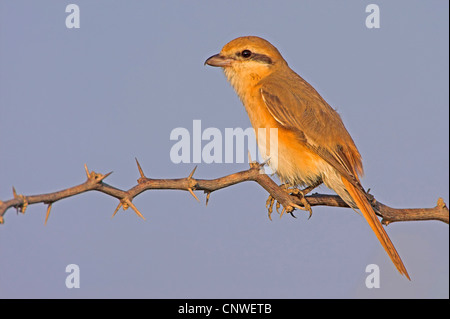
column 314, row 146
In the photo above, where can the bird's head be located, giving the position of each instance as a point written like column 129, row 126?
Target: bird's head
column 247, row 60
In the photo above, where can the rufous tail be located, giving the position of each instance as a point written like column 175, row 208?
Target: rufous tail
column 369, row 214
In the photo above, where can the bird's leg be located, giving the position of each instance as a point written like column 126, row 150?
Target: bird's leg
column 287, row 187
column 301, row 195
column 291, row 189
column 271, row 200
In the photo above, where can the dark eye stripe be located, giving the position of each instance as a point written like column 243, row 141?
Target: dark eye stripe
column 258, row 57
column 261, row 58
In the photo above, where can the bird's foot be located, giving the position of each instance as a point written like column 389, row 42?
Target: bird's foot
column 300, row 194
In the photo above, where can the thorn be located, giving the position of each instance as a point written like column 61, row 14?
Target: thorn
column 192, row 193
column 87, row 171
column 141, row 172
column 104, row 176
column 48, row 213
column 20, row 207
column 192, row 173
column 440, row 203
column 251, row 163
column 117, row 208
column 134, row 208
column 207, row 198
column 265, row 162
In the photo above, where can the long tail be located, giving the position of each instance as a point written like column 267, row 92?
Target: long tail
column 369, row 214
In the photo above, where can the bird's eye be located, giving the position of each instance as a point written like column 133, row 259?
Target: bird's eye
column 246, row 53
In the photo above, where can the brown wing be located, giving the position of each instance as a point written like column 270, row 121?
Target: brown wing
column 297, row 106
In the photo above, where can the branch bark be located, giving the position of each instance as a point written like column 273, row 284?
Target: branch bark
column 95, row 182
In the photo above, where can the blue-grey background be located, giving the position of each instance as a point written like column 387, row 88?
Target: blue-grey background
column 114, row 89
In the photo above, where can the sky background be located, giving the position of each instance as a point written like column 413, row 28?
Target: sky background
column 114, row 90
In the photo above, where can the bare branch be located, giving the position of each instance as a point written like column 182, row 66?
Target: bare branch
column 95, row 182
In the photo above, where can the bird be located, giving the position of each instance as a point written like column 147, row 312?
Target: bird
column 314, row 147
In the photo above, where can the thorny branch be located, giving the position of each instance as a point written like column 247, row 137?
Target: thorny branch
column 95, row 182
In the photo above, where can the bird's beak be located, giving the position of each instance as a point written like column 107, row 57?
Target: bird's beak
column 219, row 60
